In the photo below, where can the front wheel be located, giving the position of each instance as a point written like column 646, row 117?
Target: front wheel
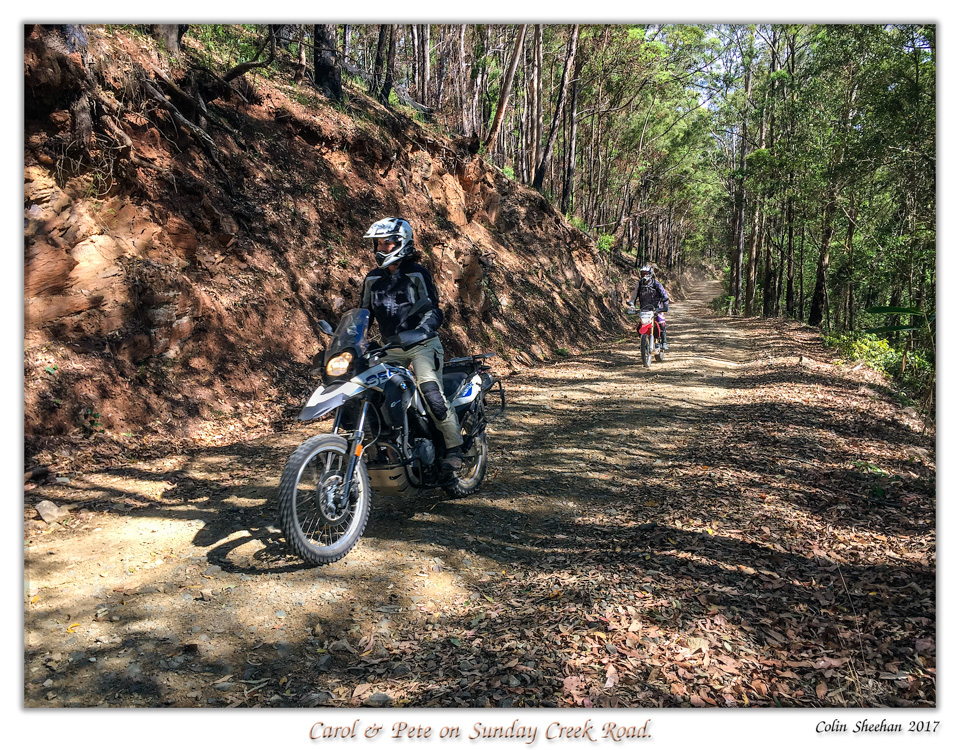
column 474, row 467
column 321, row 526
column 645, row 350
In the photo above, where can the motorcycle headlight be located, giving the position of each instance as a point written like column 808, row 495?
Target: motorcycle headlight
column 339, row 364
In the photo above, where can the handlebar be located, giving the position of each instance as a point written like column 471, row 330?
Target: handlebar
column 637, row 311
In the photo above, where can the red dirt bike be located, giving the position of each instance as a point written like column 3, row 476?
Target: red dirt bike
column 650, row 330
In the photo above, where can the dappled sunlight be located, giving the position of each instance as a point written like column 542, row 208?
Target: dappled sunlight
column 692, row 533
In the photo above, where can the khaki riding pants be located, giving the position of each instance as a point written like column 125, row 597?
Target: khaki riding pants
column 426, row 362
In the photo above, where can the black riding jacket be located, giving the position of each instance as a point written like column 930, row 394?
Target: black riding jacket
column 651, row 296
column 391, row 297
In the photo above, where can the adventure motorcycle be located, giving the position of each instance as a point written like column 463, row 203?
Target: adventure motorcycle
column 382, row 440
column 650, row 331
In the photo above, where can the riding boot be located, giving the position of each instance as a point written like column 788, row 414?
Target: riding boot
column 450, row 465
column 453, row 460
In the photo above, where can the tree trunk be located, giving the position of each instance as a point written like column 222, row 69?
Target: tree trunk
column 567, row 201
column 750, row 280
column 326, row 65
column 801, row 300
column 851, row 226
column 480, row 84
column 442, row 51
column 378, row 62
column 778, row 288
column 819, row 301
column 384, row 96
column 771, row 289
column 462, row 81
column 300, row 71
column 769, row 285
column 740, row 199
column 558, row 112
column 505, row 87
column 169, row 34
column 425, row 64
column 416, row 67
column 537, row 86
column 790, row 235
column 893, row 320
column 525, row 124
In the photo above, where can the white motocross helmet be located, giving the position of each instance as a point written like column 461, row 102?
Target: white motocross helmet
column 395, row 229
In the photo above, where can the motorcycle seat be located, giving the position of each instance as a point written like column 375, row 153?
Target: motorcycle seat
column 452, row 382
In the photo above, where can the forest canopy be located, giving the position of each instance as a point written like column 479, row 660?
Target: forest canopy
column 799, row 160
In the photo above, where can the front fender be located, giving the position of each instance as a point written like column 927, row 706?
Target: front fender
column 327, row 398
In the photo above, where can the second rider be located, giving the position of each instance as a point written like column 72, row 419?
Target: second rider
column 649, row 294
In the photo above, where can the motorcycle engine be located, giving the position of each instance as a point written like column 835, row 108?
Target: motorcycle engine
column 424, row 451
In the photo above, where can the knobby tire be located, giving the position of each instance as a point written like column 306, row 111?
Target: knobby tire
column 309, row 534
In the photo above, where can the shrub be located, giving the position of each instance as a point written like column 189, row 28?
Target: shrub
column 605, row 242
column 722, row 305
column 868, row 348
column 910, row 369
column 577, row 222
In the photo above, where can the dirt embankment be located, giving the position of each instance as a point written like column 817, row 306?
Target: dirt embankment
column 746, row 523
column 174, row 286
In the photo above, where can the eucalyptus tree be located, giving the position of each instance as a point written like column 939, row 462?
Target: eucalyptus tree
column 571, row 54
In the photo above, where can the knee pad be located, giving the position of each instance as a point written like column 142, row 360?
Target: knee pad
column 435, row 400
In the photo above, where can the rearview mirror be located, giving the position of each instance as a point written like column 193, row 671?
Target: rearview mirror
column 326, row 328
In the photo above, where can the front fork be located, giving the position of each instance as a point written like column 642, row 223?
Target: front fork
column 355, row 450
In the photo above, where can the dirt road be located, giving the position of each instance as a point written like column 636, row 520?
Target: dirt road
column 611, row 558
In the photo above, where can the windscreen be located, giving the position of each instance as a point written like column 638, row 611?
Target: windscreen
column 350, row 334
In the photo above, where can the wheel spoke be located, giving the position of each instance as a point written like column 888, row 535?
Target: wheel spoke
column 324, row 469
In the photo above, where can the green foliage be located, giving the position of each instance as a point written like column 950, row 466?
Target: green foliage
column 304, row 97
column 909, row 368
column 508, row 171
column 226, row 44
column 605, row 243
column 90, row 421
column 722, row 305
column 577, row 222
column 867, row 348
column 136, row 31
column 868, row 467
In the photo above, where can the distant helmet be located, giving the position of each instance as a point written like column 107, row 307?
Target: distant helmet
column 646, row 275
column 395, row 229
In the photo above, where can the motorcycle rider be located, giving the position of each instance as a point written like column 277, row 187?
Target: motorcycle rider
column 650, row 294
column 401, row 296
